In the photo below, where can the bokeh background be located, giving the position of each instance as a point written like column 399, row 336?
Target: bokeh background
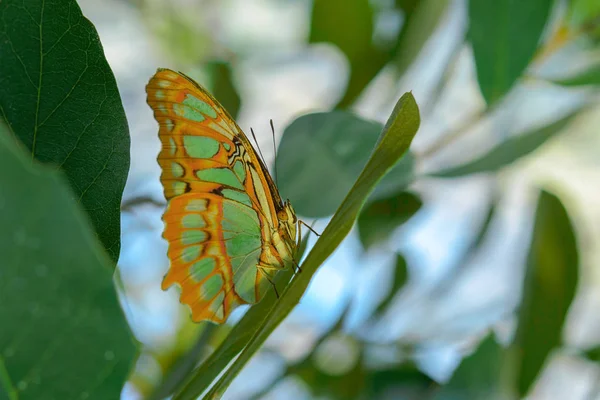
column 394, row 311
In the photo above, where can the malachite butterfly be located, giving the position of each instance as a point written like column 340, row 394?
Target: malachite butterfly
column 229, row 232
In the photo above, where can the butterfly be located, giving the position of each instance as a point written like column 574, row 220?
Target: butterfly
column 228, row 230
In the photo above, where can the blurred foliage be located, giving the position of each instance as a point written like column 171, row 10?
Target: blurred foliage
column 478, row 376
column 366, row 55
column 509, row 151
column 589, row 76
column 551, row 279
column 312, row 146
column 59, row 98
column 381, row 218
column 263, row 318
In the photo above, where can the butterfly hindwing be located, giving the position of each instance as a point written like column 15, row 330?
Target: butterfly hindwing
column 221, row 211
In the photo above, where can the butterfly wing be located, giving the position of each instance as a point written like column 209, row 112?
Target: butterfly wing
column 222, row 203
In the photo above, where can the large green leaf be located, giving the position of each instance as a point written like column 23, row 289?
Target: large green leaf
column 263, row 318
column 505, row 35
column 63, row 333
column 321, row 155
column 479, row 375
column 59, row 96
column 508, row 151
column 380, row 218
column 550, row 285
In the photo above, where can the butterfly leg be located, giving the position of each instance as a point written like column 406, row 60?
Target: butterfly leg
column 265, row 269
column 297, row 269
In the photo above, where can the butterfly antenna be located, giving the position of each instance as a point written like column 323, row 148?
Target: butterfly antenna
column 257, row 146
column 309, row 227
column 274, row 152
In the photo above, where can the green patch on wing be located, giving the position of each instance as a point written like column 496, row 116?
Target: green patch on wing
column 202, row 269
column 200, row 146
column 244, row 274
column 198, row 106
column 223, row 176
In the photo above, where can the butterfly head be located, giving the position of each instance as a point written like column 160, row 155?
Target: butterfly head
column 288, row 221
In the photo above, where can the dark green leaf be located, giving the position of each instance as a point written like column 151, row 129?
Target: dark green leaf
column 63, row 333
column 223, row 88
column 505, row 35
column 550, row 285
column 508, row 151
column 593, row 354
column 590, row 76
column 380, row 219
column 263, row 318
column 404, row 381
column 321, row 155
column 479, row 375
column 59, row 96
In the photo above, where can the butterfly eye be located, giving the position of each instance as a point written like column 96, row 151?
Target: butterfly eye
column 282, row 215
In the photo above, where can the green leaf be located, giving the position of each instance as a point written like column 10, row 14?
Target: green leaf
column 59, row 96
column 400, row 279
column 263, row 318
column 508, row 151
column 589, row 76
column 550, row 285
column 397, row 179
column 334, row 369
column 479, row 375
column 593, row 354
column 582, row 13
column 367, row 56
column 321, row 155
column 357, row 14
column 356, row 43
column 63, row 333
column 380, row 219
column 404, row 381
column 421, row 22
column 505, row 35
column 223, row 88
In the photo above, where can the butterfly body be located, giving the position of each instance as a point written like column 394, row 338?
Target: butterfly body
column 228, row 230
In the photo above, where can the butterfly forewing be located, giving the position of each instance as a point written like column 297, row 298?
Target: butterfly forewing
column 221, row 219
